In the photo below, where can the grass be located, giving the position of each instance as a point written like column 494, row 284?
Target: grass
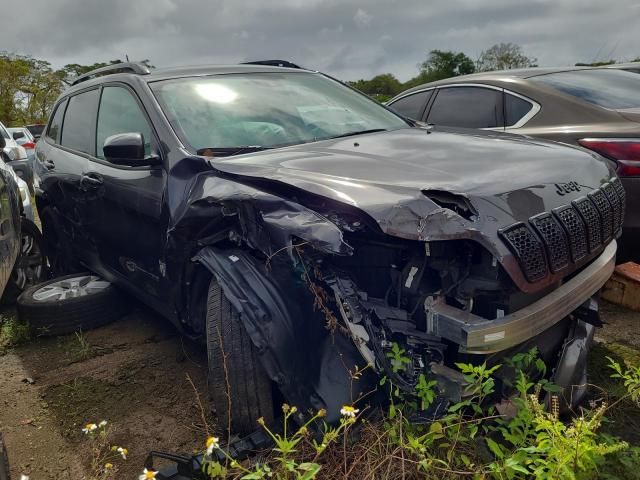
column 80, row 348
column 13, row 332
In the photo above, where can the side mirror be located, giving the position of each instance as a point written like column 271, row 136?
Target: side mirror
column 18, row 135
column 127, row 149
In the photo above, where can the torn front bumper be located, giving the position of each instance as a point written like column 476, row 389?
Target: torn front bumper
column 475, row 334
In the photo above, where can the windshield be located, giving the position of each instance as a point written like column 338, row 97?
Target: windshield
column 608, row 88
column 266, row 110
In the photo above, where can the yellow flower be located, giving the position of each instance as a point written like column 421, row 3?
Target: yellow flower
column 147, row 475
column 108, row 466
column 322, row 413
column 123, row 451
column 89, row 427
column 212, row 443
column 261, row 421
column 349, row 411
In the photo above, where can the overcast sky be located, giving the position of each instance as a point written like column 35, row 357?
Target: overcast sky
column 349, row 39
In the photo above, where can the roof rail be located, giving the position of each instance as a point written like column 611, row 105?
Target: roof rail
column 274, row 63
column 125, row 67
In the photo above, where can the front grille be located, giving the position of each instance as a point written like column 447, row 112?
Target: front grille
column 614, row 201
column 521, row 239
column 591, row 218
column 552, row 241
column 617, row 186
column 573, row 225
column 606, row 212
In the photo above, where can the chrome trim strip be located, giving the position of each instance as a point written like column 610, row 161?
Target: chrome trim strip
column 475, row 334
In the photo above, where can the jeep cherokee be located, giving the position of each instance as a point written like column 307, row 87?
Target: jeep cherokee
column 301, row 229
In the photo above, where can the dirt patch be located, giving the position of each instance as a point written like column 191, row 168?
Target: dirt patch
column 131, row 373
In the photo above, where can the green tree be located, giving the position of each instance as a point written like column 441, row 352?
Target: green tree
column 381, row 87
column 504, row 56
column 444, row 64
column 28, row 89
column 596, row 64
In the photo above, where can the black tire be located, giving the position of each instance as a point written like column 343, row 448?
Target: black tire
column 5, row 474
column 57, row 248
column 239, row 387
column 34, row 259
column 62, row 317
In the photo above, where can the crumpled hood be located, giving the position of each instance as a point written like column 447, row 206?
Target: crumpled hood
column 371, row 170
column 388, row 175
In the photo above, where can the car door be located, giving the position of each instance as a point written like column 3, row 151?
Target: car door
column 63, row 158
column 126, row 202
column 412, row 105
column 467, row 107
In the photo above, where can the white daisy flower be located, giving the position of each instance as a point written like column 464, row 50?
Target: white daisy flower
column 147, row 475
column 89, row 427
column 349, row 411
column 123, row 451
column 212, row 443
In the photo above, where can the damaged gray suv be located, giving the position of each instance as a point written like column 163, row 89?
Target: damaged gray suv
column 302, row 230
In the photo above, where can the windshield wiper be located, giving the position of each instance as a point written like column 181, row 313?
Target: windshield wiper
column 230, row 151
column 360, row 132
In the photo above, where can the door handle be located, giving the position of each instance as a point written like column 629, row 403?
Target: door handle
column 90, row 180
column 49, row 165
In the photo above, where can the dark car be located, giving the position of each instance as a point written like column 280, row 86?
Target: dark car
column 36, row 130
column 300, row 228
column 596, row 108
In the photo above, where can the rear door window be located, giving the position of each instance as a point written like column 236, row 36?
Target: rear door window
column 78, row 130
column 412, row 105
column 608, row 88
column 468, row 107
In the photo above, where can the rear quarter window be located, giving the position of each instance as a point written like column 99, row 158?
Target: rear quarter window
column 55, row 126
column 608, row 88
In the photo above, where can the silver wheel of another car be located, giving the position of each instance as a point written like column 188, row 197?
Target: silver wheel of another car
column 63, row 305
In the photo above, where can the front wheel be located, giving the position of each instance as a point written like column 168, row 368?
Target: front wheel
column 239, row 388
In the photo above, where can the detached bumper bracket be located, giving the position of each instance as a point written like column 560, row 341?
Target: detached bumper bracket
column 475, row 334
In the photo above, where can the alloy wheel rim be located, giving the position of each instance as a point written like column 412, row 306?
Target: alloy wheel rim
column 80, row 286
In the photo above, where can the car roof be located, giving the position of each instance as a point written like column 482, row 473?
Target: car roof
column 169, row 73
column 500, row 75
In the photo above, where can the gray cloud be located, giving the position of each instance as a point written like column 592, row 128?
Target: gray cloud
column 346, row 38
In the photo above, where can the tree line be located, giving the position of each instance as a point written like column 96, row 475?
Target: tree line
column 29, row 86
column 441, row 64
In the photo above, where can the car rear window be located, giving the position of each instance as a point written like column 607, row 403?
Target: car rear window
column 608, row 88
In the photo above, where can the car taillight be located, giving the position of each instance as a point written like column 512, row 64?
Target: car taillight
column 29, row 145
column 625, row 151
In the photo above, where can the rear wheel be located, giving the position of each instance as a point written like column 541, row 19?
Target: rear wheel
column 239, row 388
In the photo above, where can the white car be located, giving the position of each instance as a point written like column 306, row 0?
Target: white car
column 18, row 158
